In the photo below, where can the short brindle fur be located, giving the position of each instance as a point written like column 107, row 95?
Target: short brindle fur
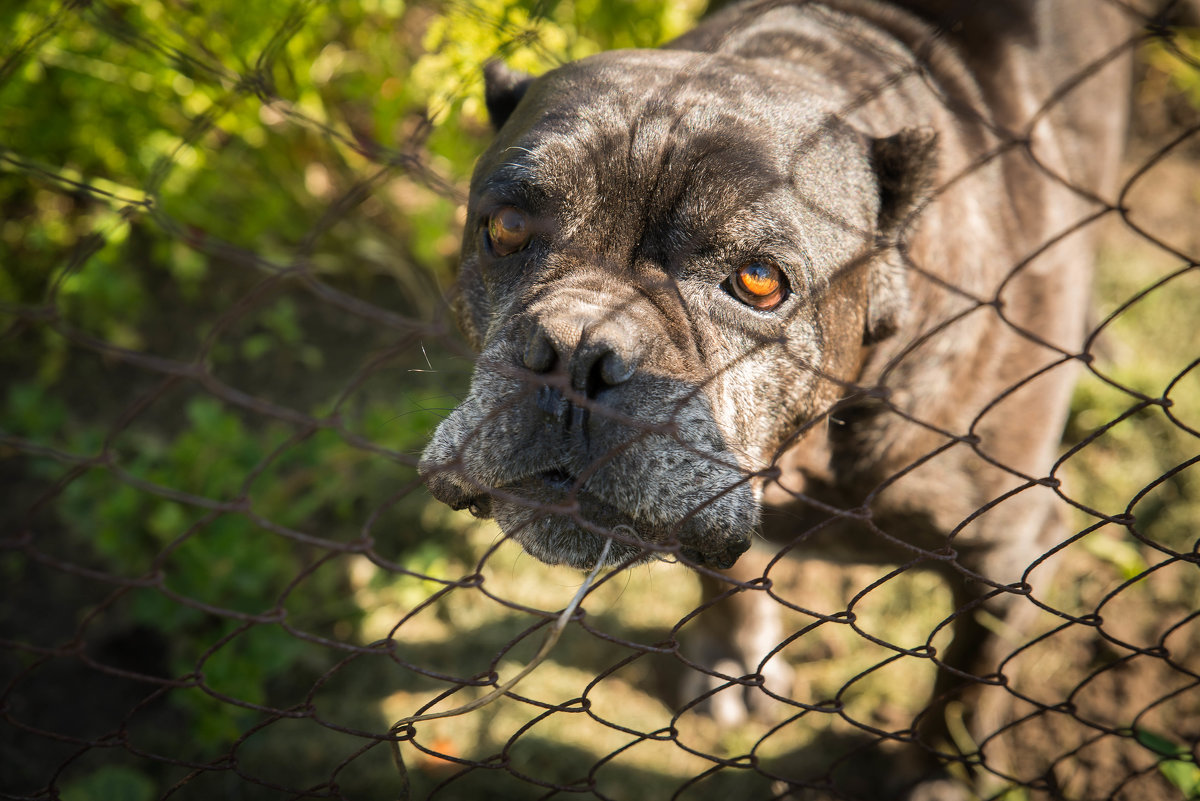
column 908, row 176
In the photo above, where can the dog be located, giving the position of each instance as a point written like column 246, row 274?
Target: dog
column 815, row 270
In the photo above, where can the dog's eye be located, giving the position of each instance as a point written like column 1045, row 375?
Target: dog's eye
column 508, row 230
column 759, row 284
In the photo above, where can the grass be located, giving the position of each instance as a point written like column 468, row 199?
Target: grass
column 1147, row 348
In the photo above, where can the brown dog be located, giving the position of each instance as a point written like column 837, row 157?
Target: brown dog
column 831, row 256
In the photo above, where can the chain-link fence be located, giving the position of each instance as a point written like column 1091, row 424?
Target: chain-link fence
column 228, row 237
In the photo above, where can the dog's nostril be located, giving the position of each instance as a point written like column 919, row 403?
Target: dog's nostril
column 595, row 379
column 539, row 354
column 615, row 370
column 600, row 369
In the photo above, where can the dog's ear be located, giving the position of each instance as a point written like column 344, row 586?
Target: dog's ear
column 905, row 164
column 503, row 88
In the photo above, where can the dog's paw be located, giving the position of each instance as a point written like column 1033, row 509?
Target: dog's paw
column 734, row 704
column 940, row 789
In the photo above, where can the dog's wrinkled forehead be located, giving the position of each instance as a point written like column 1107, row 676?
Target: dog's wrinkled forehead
column 715, row 147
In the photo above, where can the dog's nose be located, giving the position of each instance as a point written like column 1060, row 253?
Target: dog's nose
column 598, row 365
column 599, row 358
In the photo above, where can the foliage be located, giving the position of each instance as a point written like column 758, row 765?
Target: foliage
column 1178, row 58
column 111, row 783
column 163, row 163
column 1177, row 765
column 160, row 163
column 534, row 37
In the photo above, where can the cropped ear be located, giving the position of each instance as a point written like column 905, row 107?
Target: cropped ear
column 905, row 164
column 503, row 88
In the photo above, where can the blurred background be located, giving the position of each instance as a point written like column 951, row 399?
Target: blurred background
column 228, row 235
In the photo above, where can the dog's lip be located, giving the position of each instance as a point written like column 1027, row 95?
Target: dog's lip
column 560, row 492
column 479, row 506
column 721, row 558
column 558, row 479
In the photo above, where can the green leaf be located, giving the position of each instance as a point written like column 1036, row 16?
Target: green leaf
column 110, row 783
column 1158, row 744
column 1181, row 772
column 1184, row 775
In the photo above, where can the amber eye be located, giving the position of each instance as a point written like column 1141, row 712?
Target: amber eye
column 508, row 230
column 759, row 284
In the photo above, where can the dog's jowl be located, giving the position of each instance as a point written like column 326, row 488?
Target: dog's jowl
column 819, row 257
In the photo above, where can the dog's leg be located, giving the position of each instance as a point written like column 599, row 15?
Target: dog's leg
column 972, row 703
column 731, row 637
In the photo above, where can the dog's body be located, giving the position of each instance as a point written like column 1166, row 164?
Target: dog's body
column 909, row 195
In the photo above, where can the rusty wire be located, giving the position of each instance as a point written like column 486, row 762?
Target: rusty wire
column 67, row 625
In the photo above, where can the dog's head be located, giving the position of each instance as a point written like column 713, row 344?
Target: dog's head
column 671, row 260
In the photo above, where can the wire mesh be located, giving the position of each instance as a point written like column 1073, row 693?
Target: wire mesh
column 226, row 263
